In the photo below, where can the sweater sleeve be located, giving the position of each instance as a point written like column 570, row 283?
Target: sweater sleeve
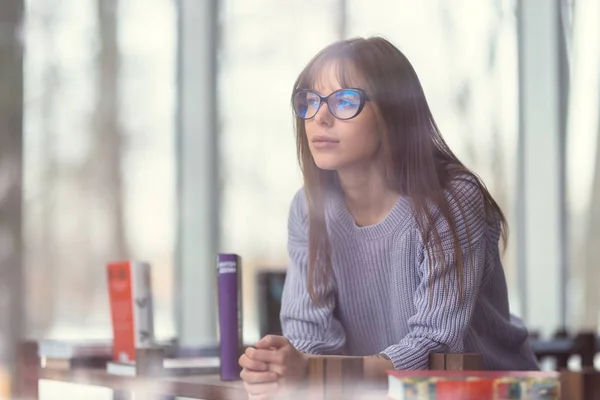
column 309, row 328
column 441, row 318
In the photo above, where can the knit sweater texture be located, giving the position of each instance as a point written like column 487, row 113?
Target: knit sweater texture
column 385, row 296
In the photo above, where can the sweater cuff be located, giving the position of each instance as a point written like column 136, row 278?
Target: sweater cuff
column 305, row 346
column 401, row 361
column 315, row 347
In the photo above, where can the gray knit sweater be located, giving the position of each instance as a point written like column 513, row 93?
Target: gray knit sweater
column 379, row 298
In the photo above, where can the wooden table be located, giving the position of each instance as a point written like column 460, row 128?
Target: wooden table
column 207, row 387
column 328, row 379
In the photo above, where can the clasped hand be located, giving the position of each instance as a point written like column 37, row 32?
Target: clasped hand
column 269, row 366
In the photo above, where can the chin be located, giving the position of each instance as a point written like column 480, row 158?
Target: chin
column 327, row 164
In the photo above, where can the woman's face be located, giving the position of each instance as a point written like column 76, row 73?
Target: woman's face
column 337, row 144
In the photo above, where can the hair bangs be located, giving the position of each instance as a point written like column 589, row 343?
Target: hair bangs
column 342, row 59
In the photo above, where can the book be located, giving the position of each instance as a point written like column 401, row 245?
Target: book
column 467, row 385
column 130, row 296
column 69, row 349
column 75, row 362
column 229, row 277
column 170, row 367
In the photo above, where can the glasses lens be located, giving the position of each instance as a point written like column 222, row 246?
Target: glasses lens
column 345, row 103
column 306, row 104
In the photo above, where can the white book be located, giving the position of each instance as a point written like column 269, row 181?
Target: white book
column 171, row 366
column 130, row 295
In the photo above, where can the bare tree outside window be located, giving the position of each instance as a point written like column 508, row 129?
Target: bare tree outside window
column 11, row 162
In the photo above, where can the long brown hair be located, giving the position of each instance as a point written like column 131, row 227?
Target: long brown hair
column 419, row 163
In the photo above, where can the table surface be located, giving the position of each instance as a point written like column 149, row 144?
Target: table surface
column 209, row 387
column 206, row 387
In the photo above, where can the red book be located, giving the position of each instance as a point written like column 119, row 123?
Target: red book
column 466, row 385
column 465, row 374
column 130, row 296
column 465, row 390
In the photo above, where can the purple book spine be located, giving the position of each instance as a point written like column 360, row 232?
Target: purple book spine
column 230, row 315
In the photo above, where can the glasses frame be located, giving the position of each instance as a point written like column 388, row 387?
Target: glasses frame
column 325, row 99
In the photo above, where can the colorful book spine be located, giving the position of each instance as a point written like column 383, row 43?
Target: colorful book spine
column 132, row 311
column 474, row 388
column 229, row 277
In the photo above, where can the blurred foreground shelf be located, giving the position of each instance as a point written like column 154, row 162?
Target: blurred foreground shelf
column 209, row 387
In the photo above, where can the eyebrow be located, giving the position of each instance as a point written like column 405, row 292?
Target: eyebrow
column 342, row 88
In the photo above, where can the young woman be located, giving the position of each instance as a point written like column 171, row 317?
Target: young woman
column 394, row 243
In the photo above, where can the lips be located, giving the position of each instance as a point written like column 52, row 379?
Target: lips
column 324, row 139
column 321, row 142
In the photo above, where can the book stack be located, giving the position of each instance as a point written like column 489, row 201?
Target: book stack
column 132, row 314
column 135, row 351
column 471, row 385
column 153, row 362
column 71, row 354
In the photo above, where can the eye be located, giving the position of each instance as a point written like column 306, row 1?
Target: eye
column 347, row 102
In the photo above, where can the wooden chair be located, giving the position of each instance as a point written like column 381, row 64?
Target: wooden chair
column 562, row 346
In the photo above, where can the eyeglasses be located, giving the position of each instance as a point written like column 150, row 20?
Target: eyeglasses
column 343, row 104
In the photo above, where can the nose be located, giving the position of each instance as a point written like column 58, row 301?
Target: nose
column 323, row 116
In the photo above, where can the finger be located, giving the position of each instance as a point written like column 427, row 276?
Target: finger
column 261, row 388
column 258, row 377
column 269, row 341
column 267, row 356
column 246, row 362
column 278, row 369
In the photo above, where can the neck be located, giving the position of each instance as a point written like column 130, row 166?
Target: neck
column 367, row 195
